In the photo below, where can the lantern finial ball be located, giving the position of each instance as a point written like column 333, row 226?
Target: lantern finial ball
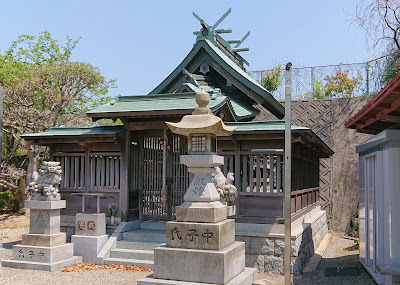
column 202, row 98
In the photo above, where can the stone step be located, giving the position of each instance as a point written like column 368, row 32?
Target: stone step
column 154, row 225
column 138, row 245
column 124, row 261
column 132, row 254
column 145, row 235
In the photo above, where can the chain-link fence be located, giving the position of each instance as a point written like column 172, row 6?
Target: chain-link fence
column 370, row 77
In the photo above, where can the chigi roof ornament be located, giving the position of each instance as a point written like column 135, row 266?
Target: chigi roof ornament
column 213, row 34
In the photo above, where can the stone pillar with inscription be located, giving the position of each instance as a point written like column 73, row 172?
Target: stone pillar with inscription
column 44, row 247
column 200, row 244
column 90, row 230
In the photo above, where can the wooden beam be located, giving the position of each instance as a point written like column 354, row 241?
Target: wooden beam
column 383, row 106
column 387, row 118
column 135, row 126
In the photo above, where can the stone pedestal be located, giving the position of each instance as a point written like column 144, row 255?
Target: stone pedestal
column 2, row 254
column 90, row 235
column 200, row 244
column 44, row 247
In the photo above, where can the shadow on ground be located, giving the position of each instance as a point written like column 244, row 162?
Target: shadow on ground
column 336, row 257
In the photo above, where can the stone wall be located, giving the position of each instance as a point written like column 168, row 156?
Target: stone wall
column 338, row 174
column 266, row 252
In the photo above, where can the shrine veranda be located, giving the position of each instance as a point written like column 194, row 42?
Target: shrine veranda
column 138, row 164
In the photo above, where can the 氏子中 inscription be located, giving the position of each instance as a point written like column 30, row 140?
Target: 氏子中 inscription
column 191, row 234
column 207, row 235
column 30, row 253
column 176, row 234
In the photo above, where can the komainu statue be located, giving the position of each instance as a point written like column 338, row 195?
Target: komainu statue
column 225, row 187
column 45, row 187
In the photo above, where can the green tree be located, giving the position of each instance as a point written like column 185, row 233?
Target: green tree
column 272, row 79
column 341, row 85
column 337, row 85
column 43, row 88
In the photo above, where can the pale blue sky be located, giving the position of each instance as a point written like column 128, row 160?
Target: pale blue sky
column 140, row 42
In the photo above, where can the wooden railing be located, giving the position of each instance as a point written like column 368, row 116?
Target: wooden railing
column 256, row 172
column 303, row 199
column 93, row 172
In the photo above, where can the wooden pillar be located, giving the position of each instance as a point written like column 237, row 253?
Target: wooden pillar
column 169, row 174
column 124, row 174
column 238, row 182
column 87, row 173
column 141, row 174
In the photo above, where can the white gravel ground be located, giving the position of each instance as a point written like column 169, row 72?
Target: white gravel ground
column 13, row 276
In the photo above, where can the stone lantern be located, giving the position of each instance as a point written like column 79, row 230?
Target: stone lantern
column 200, row 244
column 202, row 200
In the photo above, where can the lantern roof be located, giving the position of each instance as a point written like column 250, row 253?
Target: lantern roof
column 202, row 121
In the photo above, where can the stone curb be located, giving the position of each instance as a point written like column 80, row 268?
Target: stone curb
column 316, row 258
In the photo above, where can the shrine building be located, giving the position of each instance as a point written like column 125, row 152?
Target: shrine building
column 133, row 162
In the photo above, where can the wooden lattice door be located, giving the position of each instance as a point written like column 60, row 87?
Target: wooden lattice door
column 149, row 168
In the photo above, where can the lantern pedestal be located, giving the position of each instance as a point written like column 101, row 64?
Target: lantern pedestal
column 44, row 247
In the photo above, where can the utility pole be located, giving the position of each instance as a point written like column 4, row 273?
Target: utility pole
column 288, row 173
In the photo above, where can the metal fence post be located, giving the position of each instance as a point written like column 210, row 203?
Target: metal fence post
column 312, row 81
column 288, row 173
column 367, row 77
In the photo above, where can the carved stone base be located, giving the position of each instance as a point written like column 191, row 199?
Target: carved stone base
column 247, row 277
column 212, row 212
column 90, row 224
column 44, row 240
column 194, row 265
column 214, row 236
column 44, row 247
column 42, row 266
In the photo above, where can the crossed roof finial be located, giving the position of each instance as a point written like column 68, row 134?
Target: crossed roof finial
column 212, row 33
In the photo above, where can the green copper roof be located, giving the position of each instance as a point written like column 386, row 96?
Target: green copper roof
column 70, row 131
column 232, row 69
column 278, row 125
column 165, row 102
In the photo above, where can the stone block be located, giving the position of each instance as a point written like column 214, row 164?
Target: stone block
column 244, row 239
column 212, row 212
column 273, row 264
column 202, row 161
column 246, row 277
column 296, row 244
column 255, row 261
column 42, row 254
column 45, row 205
column 42, row 266
column 279, row 247
column 206, row 266
column 2, row 254
column 43, row 240
column 90, row 224
column 201, row 235
column 202, row 189
column 44, row 221
column 88, row 246
column 260, row 245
